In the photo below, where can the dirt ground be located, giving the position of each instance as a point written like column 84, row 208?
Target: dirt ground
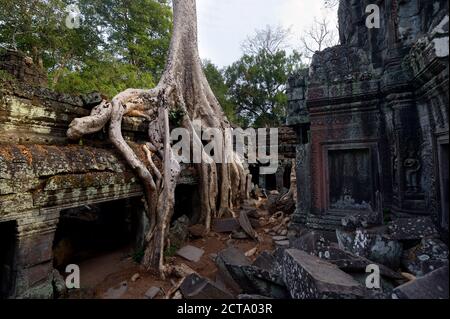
column 109, row 271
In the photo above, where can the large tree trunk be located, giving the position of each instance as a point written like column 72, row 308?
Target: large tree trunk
column 185, row 89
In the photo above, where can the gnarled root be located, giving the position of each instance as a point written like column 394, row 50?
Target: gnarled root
column 184, row 87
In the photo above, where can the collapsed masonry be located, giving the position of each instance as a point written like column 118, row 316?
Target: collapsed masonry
column 50, row 188
column 47, row 183
column 372, row 168
column 372, row 118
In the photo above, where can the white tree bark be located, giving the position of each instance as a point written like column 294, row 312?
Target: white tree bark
column 183, row 87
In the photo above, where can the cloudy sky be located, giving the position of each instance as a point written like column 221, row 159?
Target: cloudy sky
column 225, row 24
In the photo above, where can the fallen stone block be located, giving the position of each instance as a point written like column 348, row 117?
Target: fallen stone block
column 312, row 242
column 375, row 246
column 412, row 228
column 191, row 253
column 279, row 238
column 116, row 292
column 282, row 243
column 429, row 255
column 152, row 292
column 231, row 257
column 265, row 261
column 309, row 277
column 351, row 263
column 197, row 231
column 361, row 220
column 225, row 225
column 241, row 276
column 247, row 226
column 431, row 286
column 196, row 287
column 262, row 282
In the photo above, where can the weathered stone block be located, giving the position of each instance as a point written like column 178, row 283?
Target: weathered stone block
column 432, row 286
column 372, row 245
column 35, row 249
column 231, row 276
column 196, row 287
column 412, row 228
column 430, row 255
column 309, row 277
column 225, row 225
column 191, row 253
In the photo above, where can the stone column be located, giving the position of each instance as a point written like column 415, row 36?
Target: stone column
column 34, row 257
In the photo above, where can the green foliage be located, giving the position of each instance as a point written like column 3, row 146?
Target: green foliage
column 109, row 78
column 119, row 44
column 171, row 251
column 5, row 76
column 220, row 89
column 176, row 116
column 257, row 85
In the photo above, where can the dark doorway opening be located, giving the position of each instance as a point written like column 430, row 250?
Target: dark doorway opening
column 350, row 178
column 271, row 182
column 8, row 231
column 254, row 171
column 287, row 176
column 187, row 202
column 90, row 231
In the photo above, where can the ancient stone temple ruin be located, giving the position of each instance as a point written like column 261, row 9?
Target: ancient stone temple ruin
column 372, row 116
column 366, row 142
column 49, row 186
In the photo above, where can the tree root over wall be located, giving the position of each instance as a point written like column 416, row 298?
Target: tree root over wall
column 183, row 89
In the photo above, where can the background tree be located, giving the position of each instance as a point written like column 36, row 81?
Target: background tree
column 270, row 40
column 125, row 41
column 38, row 28
column 216, row 80
column 320, row 35
column 257, row 82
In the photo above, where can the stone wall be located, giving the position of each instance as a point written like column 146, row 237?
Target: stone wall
column 42, row 173
column 22, row 68
column 375, row 112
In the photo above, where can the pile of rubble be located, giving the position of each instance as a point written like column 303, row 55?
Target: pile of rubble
column 411, row 259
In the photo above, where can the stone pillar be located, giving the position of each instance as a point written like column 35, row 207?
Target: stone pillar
column 280, row 176
column 34, row 259
column 303, row 169
column 298, row 118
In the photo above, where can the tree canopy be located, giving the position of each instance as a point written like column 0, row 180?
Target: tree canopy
column 118, row 44
column 257, row 81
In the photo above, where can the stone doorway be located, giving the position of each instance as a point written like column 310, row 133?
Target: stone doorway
column 90, row 231
column 8, row 231
column 271, row 182
column 187, row 203
column 350, row 181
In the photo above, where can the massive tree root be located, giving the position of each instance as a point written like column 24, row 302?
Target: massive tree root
column 183, row 89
